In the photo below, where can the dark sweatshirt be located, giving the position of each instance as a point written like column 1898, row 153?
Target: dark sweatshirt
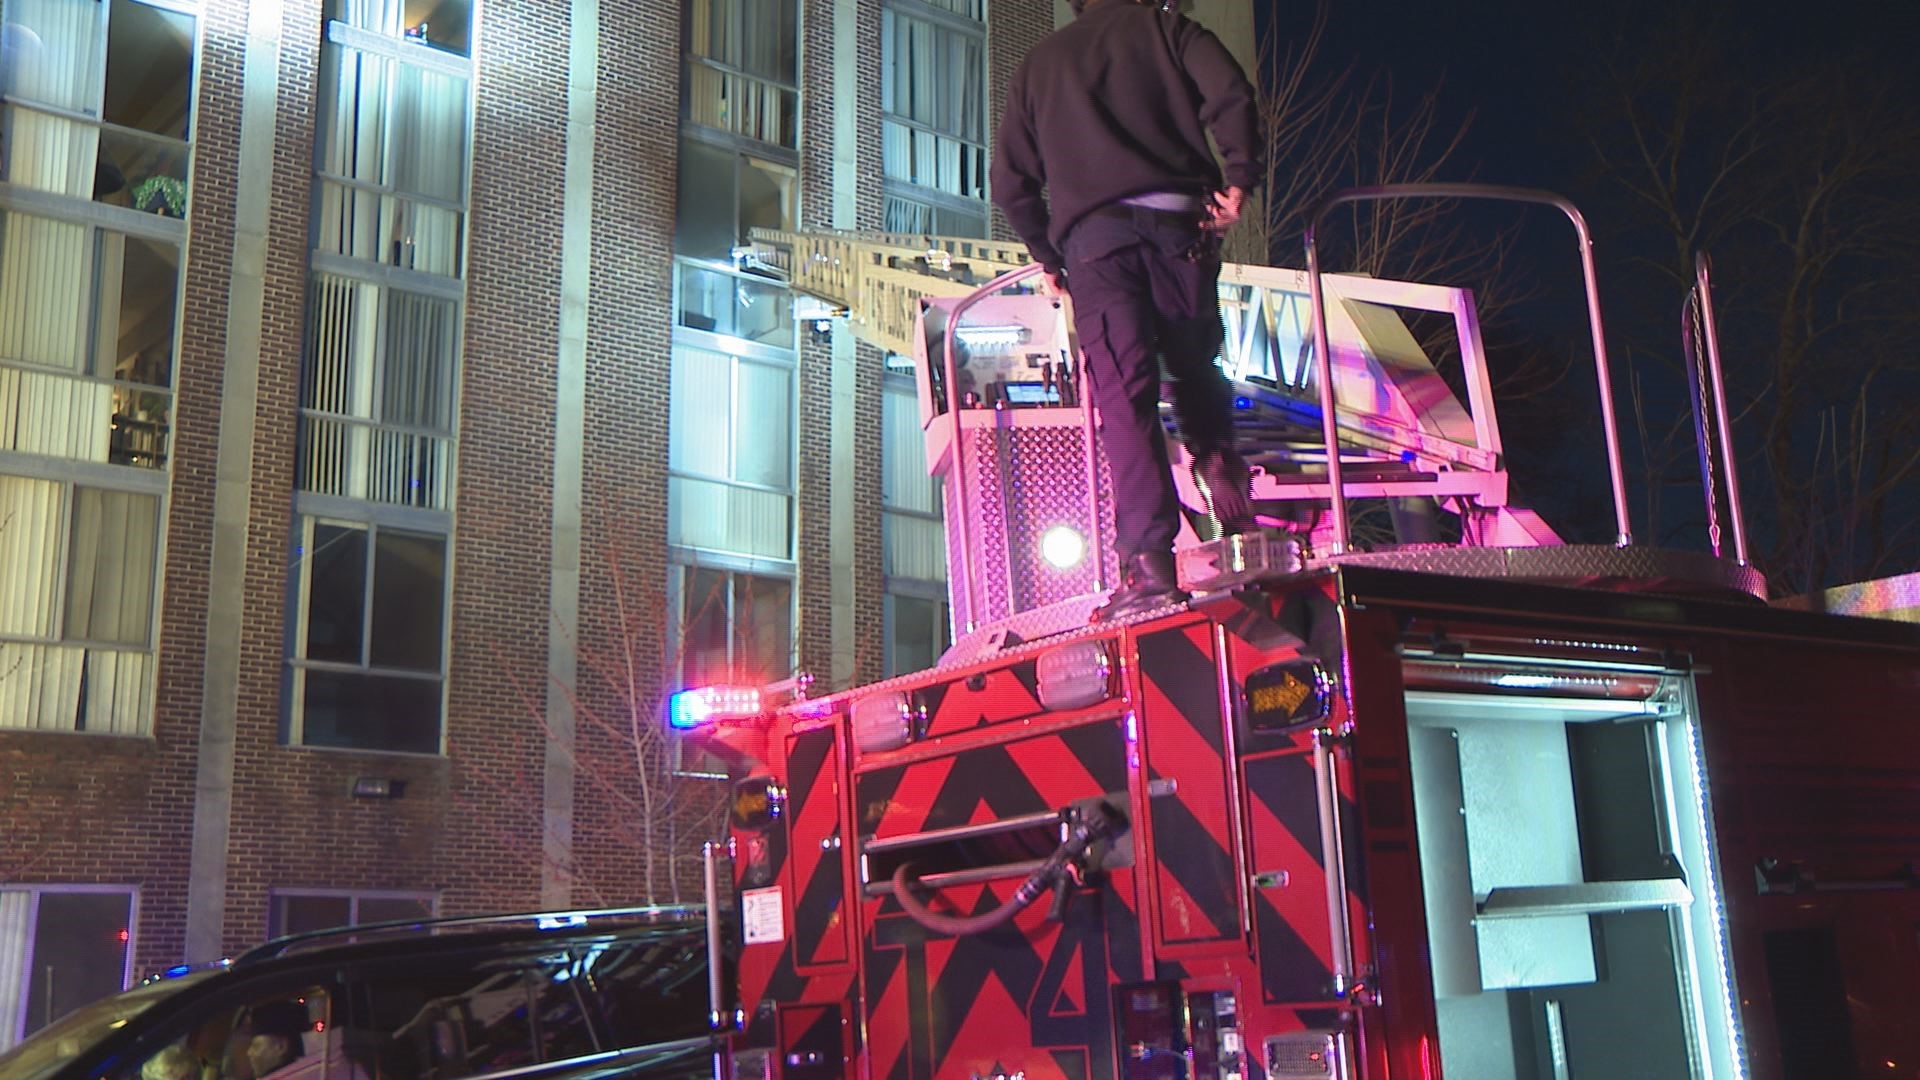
column 1118, row 103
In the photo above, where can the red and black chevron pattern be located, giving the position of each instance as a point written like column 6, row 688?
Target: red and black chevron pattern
column 1001, row 696
column 1033, row 996
column 1196, row 900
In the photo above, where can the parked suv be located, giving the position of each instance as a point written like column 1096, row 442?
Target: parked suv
column 570, row 995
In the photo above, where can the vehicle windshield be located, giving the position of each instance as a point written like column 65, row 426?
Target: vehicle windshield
column 79, row 1031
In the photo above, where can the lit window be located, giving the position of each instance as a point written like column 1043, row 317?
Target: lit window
column 446, row 25
column 377, row 394
column 97, row 100
column 76, row 619
column 934, row 102
column 87, row 334
column 743, row 66
column 733, row 627
column 913, row 537
column 369, row 650
column 730, row 454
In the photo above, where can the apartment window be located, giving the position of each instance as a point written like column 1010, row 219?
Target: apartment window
column 377, row 393
column 395, row 130
column 369, row 648
column 446, row 25
column 380, row 384
column 76, row 617
column 743, row 68
column 87, row 327
column 61, row 946
column 96, row 101
column 730, row 459
column 913, row 535
column 307, row 910
column 933, row 103
column 732, row 625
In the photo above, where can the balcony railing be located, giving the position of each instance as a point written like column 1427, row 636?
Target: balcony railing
column 728, row 99
column 80, row 418
column 374, row 462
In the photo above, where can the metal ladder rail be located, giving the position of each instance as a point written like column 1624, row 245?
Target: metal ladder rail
column 1323, row 360
column 1705, row 387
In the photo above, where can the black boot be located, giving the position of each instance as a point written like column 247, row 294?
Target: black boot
column 1227, row 484
column 1147, row 582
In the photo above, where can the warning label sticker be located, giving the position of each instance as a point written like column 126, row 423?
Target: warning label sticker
column 760, row 915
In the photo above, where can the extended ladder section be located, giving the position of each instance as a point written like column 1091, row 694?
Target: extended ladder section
column 1336, row 399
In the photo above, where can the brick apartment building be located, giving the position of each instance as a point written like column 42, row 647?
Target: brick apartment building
column 375, row 377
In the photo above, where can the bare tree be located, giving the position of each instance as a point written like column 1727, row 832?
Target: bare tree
column 1799, row 182
column 664, row 806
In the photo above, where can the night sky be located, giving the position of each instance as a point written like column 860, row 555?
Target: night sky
column 1525, row 72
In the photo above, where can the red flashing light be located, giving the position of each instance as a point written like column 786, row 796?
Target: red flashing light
column 124, row 935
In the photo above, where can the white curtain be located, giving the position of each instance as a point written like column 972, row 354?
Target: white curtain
column 379, row 16
column 398, row 126
column 16, row 932
column 41, row 679
column 56, row 52
column 343, row 341
column 729, row 420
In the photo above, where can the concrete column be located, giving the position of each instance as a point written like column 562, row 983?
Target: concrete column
column 233, row 486
column 569, row 452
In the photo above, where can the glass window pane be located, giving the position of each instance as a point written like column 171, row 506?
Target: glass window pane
column 920, row 633
column 45, row 279
column 763, row 626
column 409, row 596
column 416, row 387
column 763, row 434
column 705, row 607
column 453, row 1017
column 136, row 283
column 294, row 914
column 429, row 133
column 336, row 593
column 149, row 69
column 79, row 952
column 700, row 412
column 110, row 566
column 371, row 712
column 446, row 25
column 653, row 991
column 766, row 196
column 707, row 225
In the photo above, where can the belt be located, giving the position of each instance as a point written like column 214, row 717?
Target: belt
column 1167, row 201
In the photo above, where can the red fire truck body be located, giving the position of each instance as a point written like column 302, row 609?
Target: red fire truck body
column 1501, row 808
column 1346, row 726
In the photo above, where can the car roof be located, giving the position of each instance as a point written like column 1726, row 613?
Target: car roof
column 407, row 934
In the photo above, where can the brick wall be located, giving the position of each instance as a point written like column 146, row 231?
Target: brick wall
column 1013, row 27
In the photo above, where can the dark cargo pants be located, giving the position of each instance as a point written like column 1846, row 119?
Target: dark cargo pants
column 1139, row 301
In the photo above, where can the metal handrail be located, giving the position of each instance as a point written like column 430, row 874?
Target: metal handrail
column 953, row 415
column 1323, row 359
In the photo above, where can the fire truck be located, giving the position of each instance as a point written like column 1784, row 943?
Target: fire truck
column 1409, row 789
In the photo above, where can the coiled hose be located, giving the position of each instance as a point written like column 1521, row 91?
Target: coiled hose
column 1087, row 828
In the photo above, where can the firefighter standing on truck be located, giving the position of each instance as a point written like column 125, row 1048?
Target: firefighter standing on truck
column 1102, row 167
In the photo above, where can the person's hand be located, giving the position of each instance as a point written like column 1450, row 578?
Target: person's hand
column 1053, row 283
column 1225, row 208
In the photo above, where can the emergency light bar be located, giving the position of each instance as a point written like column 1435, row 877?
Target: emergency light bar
column 702, row 705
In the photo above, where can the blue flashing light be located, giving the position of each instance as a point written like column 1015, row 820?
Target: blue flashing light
column 177, row 970
column 706, row 704
column 1406, row 457
column 1243, row 403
